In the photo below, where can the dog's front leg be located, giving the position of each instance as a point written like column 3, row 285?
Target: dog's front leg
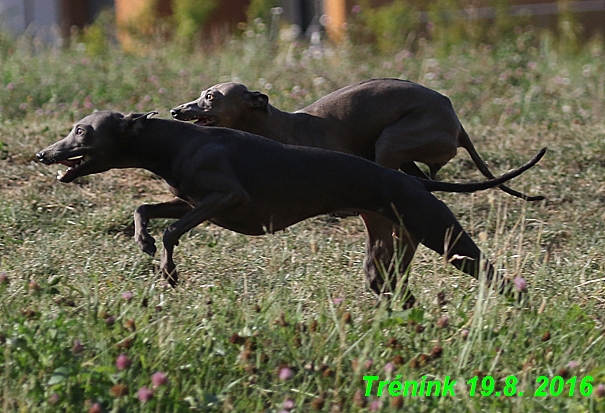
column 172, row 209
column 210, row 206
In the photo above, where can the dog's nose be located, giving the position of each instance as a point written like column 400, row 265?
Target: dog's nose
column 174, row 113
column 42, row 157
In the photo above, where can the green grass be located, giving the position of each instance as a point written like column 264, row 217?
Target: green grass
column 248, row 307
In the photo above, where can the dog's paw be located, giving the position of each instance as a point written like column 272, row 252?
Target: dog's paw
column 146, row 242
column 169, row 270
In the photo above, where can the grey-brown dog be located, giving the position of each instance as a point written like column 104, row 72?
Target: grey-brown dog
column 255, row 186
column 390, row 121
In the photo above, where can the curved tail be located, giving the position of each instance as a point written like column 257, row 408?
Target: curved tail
column 490, row 183
column 465, row 142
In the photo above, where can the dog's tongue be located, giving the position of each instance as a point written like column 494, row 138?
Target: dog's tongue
column 69, row 163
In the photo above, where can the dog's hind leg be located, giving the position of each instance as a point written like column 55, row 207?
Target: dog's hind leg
column 431, row 221
column 387, row 259
column 407, row 141
column 411, row 168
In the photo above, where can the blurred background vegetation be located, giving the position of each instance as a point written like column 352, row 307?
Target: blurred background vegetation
column 428, row 42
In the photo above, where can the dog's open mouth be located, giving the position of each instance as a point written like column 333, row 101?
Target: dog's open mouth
column 205, row 121
column 72, row 164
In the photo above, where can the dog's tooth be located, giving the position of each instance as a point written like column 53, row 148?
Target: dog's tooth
column 75, row 158
column 60, row 174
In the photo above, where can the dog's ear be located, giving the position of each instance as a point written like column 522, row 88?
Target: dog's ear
column 134, row 122
column 258, row 100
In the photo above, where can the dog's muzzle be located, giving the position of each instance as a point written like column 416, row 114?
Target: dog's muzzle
column 42, row 158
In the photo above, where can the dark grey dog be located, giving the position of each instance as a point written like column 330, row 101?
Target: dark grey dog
column 392, row 122
column 255, row 186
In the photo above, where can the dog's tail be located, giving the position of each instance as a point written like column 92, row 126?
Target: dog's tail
column 465, row 141
column 478, row 186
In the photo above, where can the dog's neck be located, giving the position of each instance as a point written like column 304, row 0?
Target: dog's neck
column 154, row 149
column 278, row 125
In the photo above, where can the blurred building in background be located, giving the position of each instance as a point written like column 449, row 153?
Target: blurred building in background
column 50, row 20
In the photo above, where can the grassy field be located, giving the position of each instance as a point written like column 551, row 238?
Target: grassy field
column 285, row 322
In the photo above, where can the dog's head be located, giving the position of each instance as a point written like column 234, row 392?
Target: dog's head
column 225, row 104
column 95, row 144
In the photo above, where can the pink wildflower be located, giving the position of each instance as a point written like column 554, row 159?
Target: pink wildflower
column 144, row 394
column 95, row 408
column 285, row 373
column 389, row 368
column 288, row 404
column 123, row 362
column 159, row 378
column 520, row 284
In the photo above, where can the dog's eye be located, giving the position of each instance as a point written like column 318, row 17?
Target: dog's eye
column 209, row 96
column 79, row 131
